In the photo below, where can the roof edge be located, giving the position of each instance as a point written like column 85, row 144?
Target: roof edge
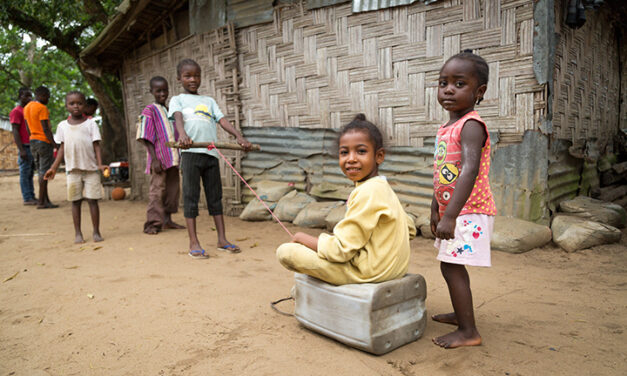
column 126, row 13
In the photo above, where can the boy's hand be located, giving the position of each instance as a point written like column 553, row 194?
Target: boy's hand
column 185, row 141
column 49, row 175
column 244, row 143
column 445, row 228
column 156, row 166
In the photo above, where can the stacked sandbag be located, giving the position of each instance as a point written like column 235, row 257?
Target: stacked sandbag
column 422, row 220
column 595, row 210
column 335, row 215
column 515, row 235
column 291, row 204
column 585, row 222
column 270, row 192
column 315, row 213
column 574, row 233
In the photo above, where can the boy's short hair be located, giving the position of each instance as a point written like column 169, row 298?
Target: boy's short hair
column 42, row 90
column 184, row 62
column 156, row 79
column 91, row 102
column 74, row 92
column 23, row 90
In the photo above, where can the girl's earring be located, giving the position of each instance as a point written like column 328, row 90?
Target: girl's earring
column 479, row 100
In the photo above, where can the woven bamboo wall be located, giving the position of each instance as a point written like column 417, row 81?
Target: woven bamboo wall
column 318, row 68
column 8, row 151
column 216, row 53
column 587, row 79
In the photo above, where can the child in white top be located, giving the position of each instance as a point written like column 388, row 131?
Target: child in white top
column 80, row 147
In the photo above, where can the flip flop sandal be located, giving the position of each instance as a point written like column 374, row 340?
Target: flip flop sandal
column 198, row 254
column 230, row 248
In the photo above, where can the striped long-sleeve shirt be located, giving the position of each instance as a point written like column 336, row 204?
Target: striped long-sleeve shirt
column 155, row 127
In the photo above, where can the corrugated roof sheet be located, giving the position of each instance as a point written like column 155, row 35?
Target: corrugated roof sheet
column 368, row 5
column 315, row 4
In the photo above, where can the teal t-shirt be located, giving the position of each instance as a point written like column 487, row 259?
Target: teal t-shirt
column 200, row 114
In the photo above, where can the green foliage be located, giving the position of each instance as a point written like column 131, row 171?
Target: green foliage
column 45, row 66
column 42, row 54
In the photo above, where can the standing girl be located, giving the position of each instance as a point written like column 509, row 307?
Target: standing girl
column 371, row 243
column 462, row 209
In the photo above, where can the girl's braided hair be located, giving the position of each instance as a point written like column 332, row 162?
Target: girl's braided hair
column 359, row 123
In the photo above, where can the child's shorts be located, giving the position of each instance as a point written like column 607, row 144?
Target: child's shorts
column 79, row 179
column 471, row 245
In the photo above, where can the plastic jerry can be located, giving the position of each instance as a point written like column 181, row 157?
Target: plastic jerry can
column 373, row 317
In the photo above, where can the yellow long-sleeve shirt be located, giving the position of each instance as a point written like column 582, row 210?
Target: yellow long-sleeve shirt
column 373, row 236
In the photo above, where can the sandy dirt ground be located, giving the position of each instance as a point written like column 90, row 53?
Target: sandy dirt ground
column 138, row 305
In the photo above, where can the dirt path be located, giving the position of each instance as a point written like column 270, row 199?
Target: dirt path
column 138, row 305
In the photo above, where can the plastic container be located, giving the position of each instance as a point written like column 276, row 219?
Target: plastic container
column 373, row 317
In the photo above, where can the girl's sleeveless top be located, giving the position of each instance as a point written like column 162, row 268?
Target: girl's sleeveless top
column 447, row 167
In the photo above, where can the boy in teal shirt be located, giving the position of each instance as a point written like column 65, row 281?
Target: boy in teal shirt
column 195, row 118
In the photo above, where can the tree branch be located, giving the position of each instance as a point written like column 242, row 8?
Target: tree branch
column 12, row 76
column 65, row 42
column 96, row 11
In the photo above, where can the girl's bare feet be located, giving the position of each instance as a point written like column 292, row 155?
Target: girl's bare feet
column 446, row 318
column 458, row 338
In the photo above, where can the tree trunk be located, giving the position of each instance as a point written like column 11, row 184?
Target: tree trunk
column 114, row 144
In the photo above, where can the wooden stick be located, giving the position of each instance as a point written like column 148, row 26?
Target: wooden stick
column 219, row 145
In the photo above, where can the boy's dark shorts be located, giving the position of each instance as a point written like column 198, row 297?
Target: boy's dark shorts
column 196, row 167
column 43, row 155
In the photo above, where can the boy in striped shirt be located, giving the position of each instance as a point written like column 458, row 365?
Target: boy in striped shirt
column 154, row 130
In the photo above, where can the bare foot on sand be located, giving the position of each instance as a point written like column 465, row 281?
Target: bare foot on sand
column 458, row 338
column 78, row 239
column 172, row 225
column 446, row 318
column 151, row 231
column 98, row 237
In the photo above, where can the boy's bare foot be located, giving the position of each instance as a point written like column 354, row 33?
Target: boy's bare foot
column 172, row 225
column 98, row 237
column 445, row 318
column 48, row 205
column 78, row 239
column 458, row 339
column 151, row 231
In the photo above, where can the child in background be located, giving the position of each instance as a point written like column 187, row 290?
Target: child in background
column 371, row 243
column 80, row 146
column 42, row 143
column 195, row 119
column 91, row 106
column 162, row 162
column 20, row 136
column 462, row 209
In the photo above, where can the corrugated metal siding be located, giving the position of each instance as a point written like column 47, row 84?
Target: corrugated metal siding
column 206, row 15
column 564, row 174
column 5, row 124
column 518, row 178
column 368, row 5
column 308, row 158
column 249, row 12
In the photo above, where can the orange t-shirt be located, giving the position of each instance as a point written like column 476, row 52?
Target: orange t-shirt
column 34, row 113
